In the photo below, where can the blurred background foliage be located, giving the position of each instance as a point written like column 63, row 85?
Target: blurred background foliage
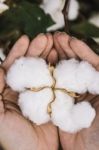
column 26, row 17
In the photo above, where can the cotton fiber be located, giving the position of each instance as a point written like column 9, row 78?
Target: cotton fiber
column 45, row 94
column 28, row 73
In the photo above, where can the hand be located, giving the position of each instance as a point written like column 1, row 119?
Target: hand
column 86, row 139
column 16, row 132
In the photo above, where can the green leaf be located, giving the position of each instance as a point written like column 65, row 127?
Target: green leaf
column 24, row 18
column 86, row 29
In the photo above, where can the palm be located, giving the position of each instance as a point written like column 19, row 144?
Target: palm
column 87, row 139
column 16, row 132
column 14, row 128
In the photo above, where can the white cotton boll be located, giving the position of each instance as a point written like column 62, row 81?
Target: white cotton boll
column 34, row 105
column 71, row 117
column 28, row 73
column 51, row 6
column 3, row 7
column 74, row 75
column 59, row 21
column 61, row 109
column 2, row 1
column 73, row 10
column 83, row 115
column 2, row 56
column 94, row 85
column 94, row 19
column 84, row 76
column 65, row 74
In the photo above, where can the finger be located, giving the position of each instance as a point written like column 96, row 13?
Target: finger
column 48, row 47
column 60, row 51
column 2, row 80
column 53, row 57
column 2, row 85
column 19, row 49
column 84, row 52
column 64, row 42
column 37, row 46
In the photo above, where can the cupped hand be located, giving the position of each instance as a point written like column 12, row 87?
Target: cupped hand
column 16, row 132
column 87, row 139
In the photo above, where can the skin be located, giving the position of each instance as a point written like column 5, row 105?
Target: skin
column 18, row 133
column 86, row 139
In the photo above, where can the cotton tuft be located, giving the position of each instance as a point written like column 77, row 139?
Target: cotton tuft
column 33, row 79
column 34, row 105
column 76, row 76
column 27, row 73
column 55, row 7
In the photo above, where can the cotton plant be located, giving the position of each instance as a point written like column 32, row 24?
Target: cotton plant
column 3, row 7
column 48, row 93
column 54, row 8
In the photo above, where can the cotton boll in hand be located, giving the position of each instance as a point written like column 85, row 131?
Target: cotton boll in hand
column 34, row 105
column 84, row 76
column 82, row 115
column 71, row 117
column 75, row 76
column 94, row 85
column 40, row 88
column 61, row 108
column 28, row 72
column 65, row 74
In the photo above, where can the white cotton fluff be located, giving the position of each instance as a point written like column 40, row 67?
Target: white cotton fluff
column 76, row 76
column 72, row 75
column 71, row 117
column 73, row 10
column 3, row 7
column 28, row 73
column 34, row 105
column 55, row 7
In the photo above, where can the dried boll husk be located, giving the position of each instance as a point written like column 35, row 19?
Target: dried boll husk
column 28, row 72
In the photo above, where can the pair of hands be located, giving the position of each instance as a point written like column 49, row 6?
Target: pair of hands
column 16, row 132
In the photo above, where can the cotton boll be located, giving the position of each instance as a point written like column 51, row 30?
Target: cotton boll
column 34, row 105
column 2, row 1
column 52, row 6
column 84, row 76
column 83, row 115
column 3, row 7
column 94, row 85
column 65, row 74
column 61, row 109
column 74, row 75
column 28, row 73
column 59, row 21
column 71, row 117
column 73, row 10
